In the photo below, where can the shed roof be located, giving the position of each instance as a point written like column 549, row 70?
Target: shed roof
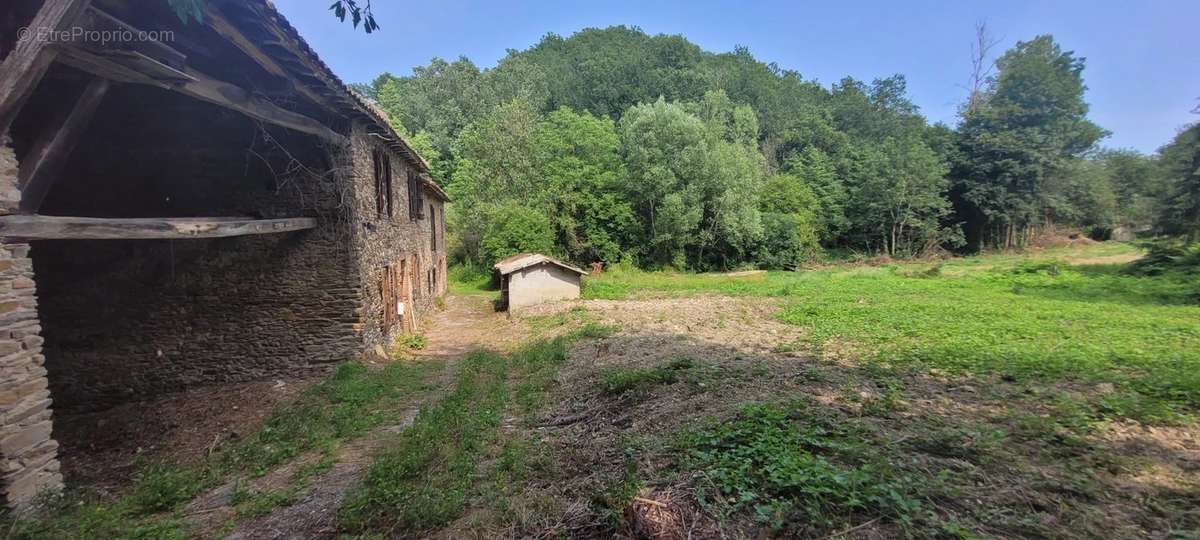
column 525, row 260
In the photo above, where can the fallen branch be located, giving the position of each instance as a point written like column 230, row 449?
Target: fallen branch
column 851, row 529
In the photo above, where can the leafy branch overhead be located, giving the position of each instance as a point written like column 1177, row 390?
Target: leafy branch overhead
column 188, row 10
column 358, row 13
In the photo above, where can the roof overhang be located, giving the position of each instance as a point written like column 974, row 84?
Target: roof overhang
column 526, row 260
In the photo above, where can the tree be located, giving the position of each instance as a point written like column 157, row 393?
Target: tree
column 440, row 99
column 514, row 229
column 579, row 170
column 665, row 151
column 1031, row 122
column 817, row 171
column 494, row 167
column 898, row 199
column 1137, row 183
column 790, row 224
column 1180, row 204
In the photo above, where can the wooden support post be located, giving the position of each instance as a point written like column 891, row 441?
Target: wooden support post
column 50, row 152
column 85, row 228
column 24, row 67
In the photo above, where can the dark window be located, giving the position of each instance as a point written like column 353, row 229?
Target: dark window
column 383, row 184
column 432, row 228
column 414, row 196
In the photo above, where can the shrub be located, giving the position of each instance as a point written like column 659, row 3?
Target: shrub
column 1163, row 257
column 789, row 240
column 515, row 229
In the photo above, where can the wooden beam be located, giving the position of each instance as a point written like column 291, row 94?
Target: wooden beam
column 36, row 227
column 135, row 67
column 24, row 67
column 96, row 20
column 222, row 26
column 50, row 151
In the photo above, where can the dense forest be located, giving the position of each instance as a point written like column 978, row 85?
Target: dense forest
column 614, row 145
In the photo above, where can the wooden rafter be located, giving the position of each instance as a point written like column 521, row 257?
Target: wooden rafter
column 36, row 227
column 24, row 67
column 222, row 26
column 50, row 151
column 137, row 68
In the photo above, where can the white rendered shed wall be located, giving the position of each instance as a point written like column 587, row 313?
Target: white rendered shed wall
column 541, row 283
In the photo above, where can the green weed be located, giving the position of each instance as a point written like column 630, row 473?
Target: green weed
column 1028, row 317
column 354, row 399
column 616, row 381
column 792, row 472
column 423, row 479
column 410, row 342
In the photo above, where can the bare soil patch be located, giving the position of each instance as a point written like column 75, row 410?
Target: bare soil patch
column 101, row 450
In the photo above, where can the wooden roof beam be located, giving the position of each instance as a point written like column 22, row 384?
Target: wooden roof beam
column 222, row 26
column 38, row 227
column 24, row 67
column 52, row 148
column 137, row 68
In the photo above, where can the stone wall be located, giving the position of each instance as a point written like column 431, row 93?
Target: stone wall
column 381, row 241
column 128, row 319
column 28, row 454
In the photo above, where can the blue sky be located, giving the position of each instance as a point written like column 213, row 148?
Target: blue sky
column 1143, row 70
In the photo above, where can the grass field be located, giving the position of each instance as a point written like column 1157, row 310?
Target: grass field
column 1044, row 394
column 1068, row 314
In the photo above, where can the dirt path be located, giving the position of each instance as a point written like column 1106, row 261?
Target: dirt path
column 465, row 324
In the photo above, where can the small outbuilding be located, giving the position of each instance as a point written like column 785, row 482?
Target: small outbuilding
column 529, row 279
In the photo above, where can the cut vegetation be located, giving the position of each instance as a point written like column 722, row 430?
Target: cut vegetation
column 1050, row 394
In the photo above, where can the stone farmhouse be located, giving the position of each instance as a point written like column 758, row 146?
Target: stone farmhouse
column 186, row 203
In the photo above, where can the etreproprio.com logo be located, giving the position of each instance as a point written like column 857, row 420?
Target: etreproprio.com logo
column 92, row 36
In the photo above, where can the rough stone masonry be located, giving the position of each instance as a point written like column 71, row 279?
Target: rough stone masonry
column 28, row 451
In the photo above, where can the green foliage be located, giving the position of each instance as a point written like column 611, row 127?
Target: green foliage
column 1180, row 202
column 358, row 14
column 693, row 188
column 1032, row 123
column 789, row 241
column 665, row 150
column 1137, row 183
column 616, row 381
column 989, row 315
column 897, row 198
column 1165, row 257
column 162, row 487
column 579, row 170
column 517, row 229
column 647, row 147
column 412, row 342
column 471, row 279
column 422, row 480
column 792, row 472
column 188, row 10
